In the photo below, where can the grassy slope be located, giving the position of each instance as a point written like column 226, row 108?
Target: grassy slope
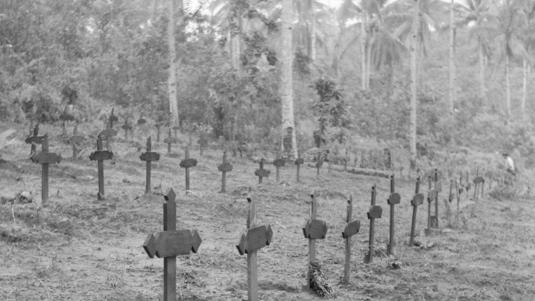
column 85, row 249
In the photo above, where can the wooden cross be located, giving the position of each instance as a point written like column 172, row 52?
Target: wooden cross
column 298, row 162
column 448, row 203
column 261, row 172
column 479, row 187
column 374, row 212
column 256, row 238
column 393, row 200
column 224, row 167
column 169, row 140
column 100, row 155
column 279, row 162
column 107, row 134
column 352, row 228
column 169, row 244
column 430, row 196
column 319, row 164
column 75, row 141
column 416, row 201
column 112, row 119
column 34, row 139
column 437, row 188
column 127, row 127
column 314, row 229
column 148, row 157
column 187, row 163
column 45, row 158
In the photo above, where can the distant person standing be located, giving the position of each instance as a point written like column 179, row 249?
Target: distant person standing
column 509, row 164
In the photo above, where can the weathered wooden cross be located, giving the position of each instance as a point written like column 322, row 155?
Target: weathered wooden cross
column 169, row 140
column 187, row 163
column 127, row 127
column 100, row 155
column 479, row 187
column 352, row 228
column 254, row 239
column 298, row 162
column 393, row 200
column 224, row 167
column 374, row 212
column 278, row 163
column 33, row 139
column 314, row 229
column 416, row 201
column 148, row 157
column 261, row 172
column 75, row 141
column 169, row 244
column 437, row 188
column 430, row 196
column 45, row 158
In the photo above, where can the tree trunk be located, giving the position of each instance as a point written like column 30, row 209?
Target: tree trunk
column 172, row 83
column 452, row 70
column 414, row 82
column 287, row 106
column 507, row 88
column 482, row 62
column 524, row 90
column 363, row 51
column 312, row 32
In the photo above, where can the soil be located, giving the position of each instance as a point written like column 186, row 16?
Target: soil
column 78, row 248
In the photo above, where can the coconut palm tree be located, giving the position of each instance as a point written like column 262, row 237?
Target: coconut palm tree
column 528, row 39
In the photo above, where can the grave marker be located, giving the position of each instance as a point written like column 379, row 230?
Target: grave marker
column 170, row 243
column 75, row 141
column 416, row 201
column 224, row 167
column 393, row 200
column 256, row 238
column 319, row 163
column 314, row 229
column 148, row 157
column 351, row 229
column 261, row 172
column 438, row 188
column 448, row 204
column 279, row 162
column 34, row 139
column 203, row 143
column 479, row 187
column 100, row 155
column 187, row 163
column 374, row 212
column 127, row 127
column 45, row 158
column 298, row 162
column 169, row 140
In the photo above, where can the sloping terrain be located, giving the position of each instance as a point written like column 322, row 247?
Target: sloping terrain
column 78, row 248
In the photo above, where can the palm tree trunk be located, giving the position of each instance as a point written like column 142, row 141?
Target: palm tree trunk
column 507, row 87
column 452, row 70
column 312, row 32
column 524, row 90
column 363, row 51
column 172, row 82
column 287, row 106
column 482, row 62
column 414, row 51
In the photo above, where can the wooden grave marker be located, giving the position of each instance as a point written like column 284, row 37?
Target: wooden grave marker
column 187, row 163
column 430, row 196
column 352, row 228
column 45, row 158
column 437, row 188
column 314, row 229
column 298, row 162
column 458, row 209
column 100, row 155
column 278, row 163
column 148, row 157
column 127, row 127
column 108, row 133
column 261, row 172
column 76, row 141
column 33, row 139
column 253, row 240
column 416, row 201
column 374, row 212
column 479, row 187
column 169, row 141
column 447, row 204
column 169, row 244
column 224, row 167
column 393, row 200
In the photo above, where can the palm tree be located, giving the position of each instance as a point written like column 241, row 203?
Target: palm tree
column 286, row 85
column 172, row 81
column 528, row 40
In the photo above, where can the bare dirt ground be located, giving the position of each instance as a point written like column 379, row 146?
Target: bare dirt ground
column 78, row 248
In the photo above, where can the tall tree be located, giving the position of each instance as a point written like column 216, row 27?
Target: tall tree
column 288, row 139
column 452, row 72
column 172, row 81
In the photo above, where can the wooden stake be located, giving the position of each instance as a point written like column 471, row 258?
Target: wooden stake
column 436, row 198
column 169, row 263
column 416, row 201
column 393, row 200
column 252, row 276
column 347, row 265
column 312, row 242
column 373, row 213
column 44, row 174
